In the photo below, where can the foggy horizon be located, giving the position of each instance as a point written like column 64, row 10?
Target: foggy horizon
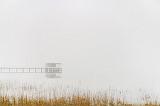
column 102, row 42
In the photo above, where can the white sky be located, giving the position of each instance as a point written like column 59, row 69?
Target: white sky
column 107, row 42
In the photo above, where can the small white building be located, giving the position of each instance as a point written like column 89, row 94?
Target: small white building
column 53, row 69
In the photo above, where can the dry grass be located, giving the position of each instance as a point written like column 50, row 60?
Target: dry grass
column 69, row 101
column 77, row 98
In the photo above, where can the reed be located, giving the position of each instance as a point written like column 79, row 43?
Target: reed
column 61, row 96
column 83, row 100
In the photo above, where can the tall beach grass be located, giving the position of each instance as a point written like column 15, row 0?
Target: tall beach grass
column 30, row 95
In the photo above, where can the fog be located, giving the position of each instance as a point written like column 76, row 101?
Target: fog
column 102, row 42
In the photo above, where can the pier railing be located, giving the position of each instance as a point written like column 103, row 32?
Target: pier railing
column 30, row 70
